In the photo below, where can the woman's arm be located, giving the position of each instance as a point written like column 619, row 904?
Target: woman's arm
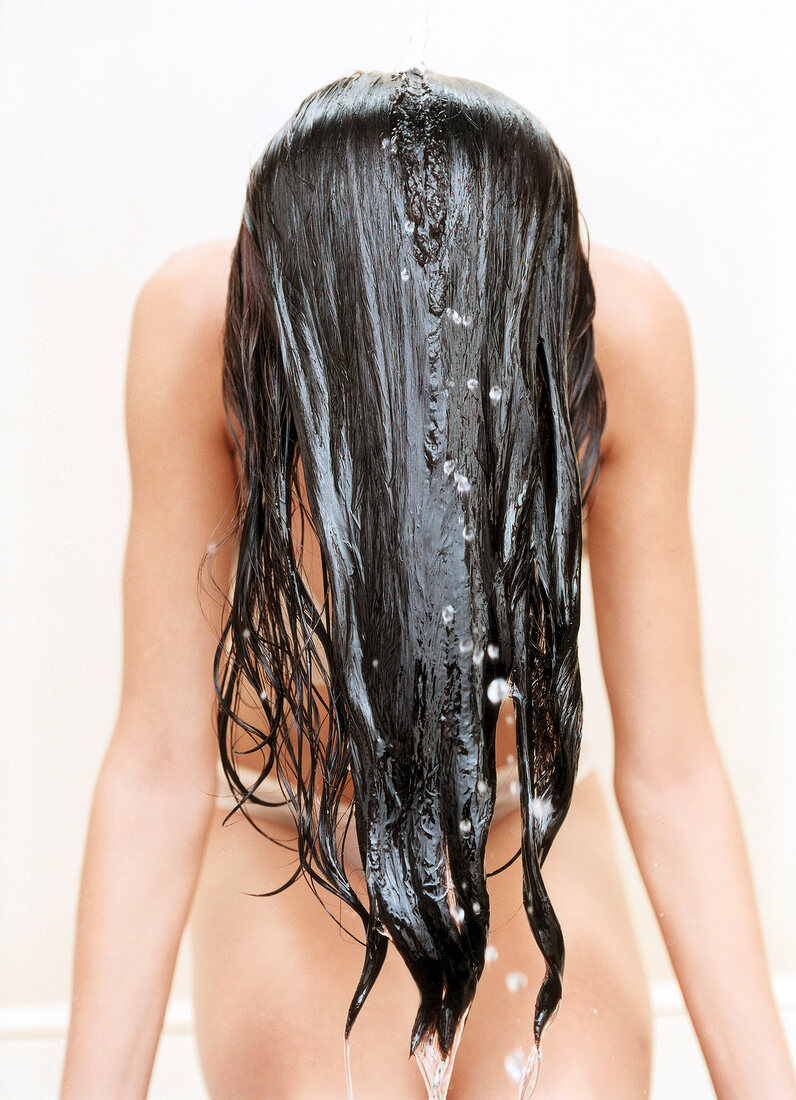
column 150, row 810
column 670, row 783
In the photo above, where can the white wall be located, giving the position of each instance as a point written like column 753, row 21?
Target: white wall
column 128, row 131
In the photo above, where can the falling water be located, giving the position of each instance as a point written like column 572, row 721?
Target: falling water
column 417, row 42
column 435, row 1067
column 531, row 1071
column 347, row 1062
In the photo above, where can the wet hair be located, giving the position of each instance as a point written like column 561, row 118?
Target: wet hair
column 410, row 312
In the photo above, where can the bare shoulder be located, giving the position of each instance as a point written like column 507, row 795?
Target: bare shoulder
column 193, row 281
column 643, row 349
column 177, row 333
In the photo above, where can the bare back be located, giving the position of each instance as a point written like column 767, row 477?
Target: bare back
column 259, row 963
column 610, row 271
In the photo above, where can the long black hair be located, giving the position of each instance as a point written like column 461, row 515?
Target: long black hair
column 410, row 312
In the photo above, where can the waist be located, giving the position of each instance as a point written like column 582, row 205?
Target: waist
column 277, row 806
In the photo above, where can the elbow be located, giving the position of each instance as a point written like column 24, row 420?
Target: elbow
column 643, row 779
column 138, row 770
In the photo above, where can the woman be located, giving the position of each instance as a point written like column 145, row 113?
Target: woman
column 382, row 409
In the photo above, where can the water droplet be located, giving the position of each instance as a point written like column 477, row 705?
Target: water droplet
column 476, row 907
column 448, row 614
column 468, row 532
column 458, row 913
column 478, row 656
column 492, row 652
column 495, row 394
column 263, row 695
column 514, row 1064
column 514, row 788
column 509, row 758
column 509, row 719
column 375, row 662
column 466, row 319
column 448, row 467
column 481, row 786
column 542, row 809
column 594, row 1010
column 497, row 691
column 447, row 311
column 491, row 954
column 466, row 644
column 247, row 633
column 465, row 826
column 472, row 384
column 515, row 981
column 455, row 317
column 409, row 226
column 385, row 141
column 405, row 274
column 211, row 548
column 462, row 484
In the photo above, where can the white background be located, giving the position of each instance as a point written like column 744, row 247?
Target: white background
column 128, row 131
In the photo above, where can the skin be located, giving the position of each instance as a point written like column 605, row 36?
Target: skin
column 156, row 854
